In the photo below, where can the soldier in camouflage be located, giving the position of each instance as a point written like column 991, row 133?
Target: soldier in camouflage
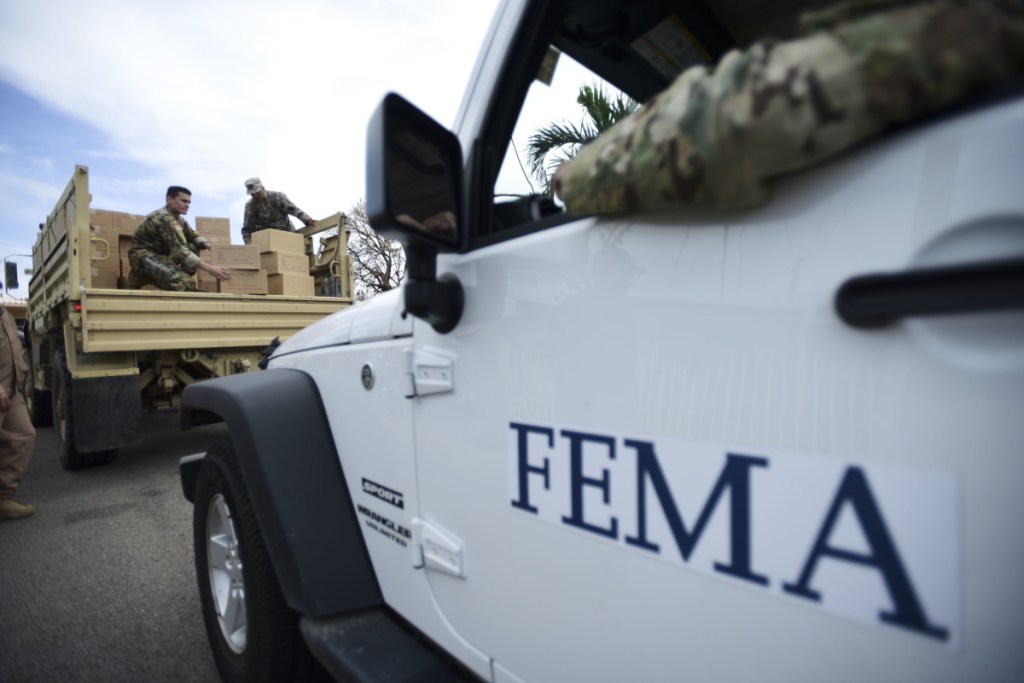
column 165, row 248
column 269, row 210
column 714, row 138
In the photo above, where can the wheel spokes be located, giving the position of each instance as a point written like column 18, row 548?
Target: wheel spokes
column 224, row 563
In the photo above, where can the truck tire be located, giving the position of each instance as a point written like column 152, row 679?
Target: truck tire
column 40, row 408
column 70, row 457
column 253, row 633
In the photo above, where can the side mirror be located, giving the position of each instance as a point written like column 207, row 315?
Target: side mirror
column 10, row 275
column 413, row 195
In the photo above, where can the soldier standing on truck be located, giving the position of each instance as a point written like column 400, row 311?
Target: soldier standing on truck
column 269, row 210
column 17, row 435
column 165, row 248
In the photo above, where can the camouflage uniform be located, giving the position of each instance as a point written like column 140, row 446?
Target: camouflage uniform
column 164, row 253
column 272, row 212
column 713, row 139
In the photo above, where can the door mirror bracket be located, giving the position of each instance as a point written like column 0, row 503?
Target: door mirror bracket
column 437, row 300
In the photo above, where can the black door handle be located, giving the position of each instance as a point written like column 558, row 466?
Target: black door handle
column 869, row 301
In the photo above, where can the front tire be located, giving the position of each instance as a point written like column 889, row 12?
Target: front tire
column 253, row 633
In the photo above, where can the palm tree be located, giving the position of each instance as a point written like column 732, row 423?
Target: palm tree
column 559, row 142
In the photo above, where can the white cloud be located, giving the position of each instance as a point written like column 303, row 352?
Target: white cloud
column 206, row 94
column 20, row 185
column 45, row 163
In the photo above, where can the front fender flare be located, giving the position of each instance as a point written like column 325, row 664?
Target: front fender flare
column 295, row 481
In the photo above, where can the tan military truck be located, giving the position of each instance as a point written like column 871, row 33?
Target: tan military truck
column 100, row 354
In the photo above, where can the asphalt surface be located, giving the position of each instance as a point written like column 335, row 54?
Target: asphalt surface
column 99, row 585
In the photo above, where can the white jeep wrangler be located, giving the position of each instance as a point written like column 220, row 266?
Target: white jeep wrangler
column 783, row 444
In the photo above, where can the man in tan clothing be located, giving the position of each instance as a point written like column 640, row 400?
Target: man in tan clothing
column 17, row 436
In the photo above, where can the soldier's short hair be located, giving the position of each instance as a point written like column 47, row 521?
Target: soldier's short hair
column 175, row 190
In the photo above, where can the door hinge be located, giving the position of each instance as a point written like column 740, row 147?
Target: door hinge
column 432, row 372
column 436, row 548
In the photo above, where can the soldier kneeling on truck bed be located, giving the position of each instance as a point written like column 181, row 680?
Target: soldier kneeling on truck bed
column 165, row 249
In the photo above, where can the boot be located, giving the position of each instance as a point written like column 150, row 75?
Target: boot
column 12, row 509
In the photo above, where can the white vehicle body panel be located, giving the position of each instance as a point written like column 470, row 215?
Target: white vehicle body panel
column 704, row 335
column 720, row 329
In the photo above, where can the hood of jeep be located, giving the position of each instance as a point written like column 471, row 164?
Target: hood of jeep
column 371, row 320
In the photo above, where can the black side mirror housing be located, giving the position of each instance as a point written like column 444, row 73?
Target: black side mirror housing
column 414, row 196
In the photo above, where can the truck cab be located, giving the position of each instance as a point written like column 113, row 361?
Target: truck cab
column 708, row 444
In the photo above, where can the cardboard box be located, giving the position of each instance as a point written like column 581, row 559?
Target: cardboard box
column 125, row 223
column 290, row 284
column 213, row 238
column 206, row 282
column 282, row 262
column 214, row 230
column 234, row 256
column 279, row 240
column 244, row 282
column 104, row 279
column 206, row 225
column 102, row 218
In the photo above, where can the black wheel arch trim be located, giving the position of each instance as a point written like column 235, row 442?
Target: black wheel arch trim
column 295, row 481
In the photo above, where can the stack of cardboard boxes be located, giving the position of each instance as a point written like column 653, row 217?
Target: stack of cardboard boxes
column 242, row 260
column 111, row 237
column 283, row 256
column 274, row 263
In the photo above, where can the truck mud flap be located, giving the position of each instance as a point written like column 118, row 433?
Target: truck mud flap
column 294, row 478
column 106, row 413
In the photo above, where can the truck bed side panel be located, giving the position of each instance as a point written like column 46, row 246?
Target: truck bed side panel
column 136, row 320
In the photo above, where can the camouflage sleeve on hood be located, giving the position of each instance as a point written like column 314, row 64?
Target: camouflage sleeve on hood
column 712, row 139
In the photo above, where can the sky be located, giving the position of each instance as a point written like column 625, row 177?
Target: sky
column 206, row 93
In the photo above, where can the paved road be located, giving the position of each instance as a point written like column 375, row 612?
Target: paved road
column 100, row 585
